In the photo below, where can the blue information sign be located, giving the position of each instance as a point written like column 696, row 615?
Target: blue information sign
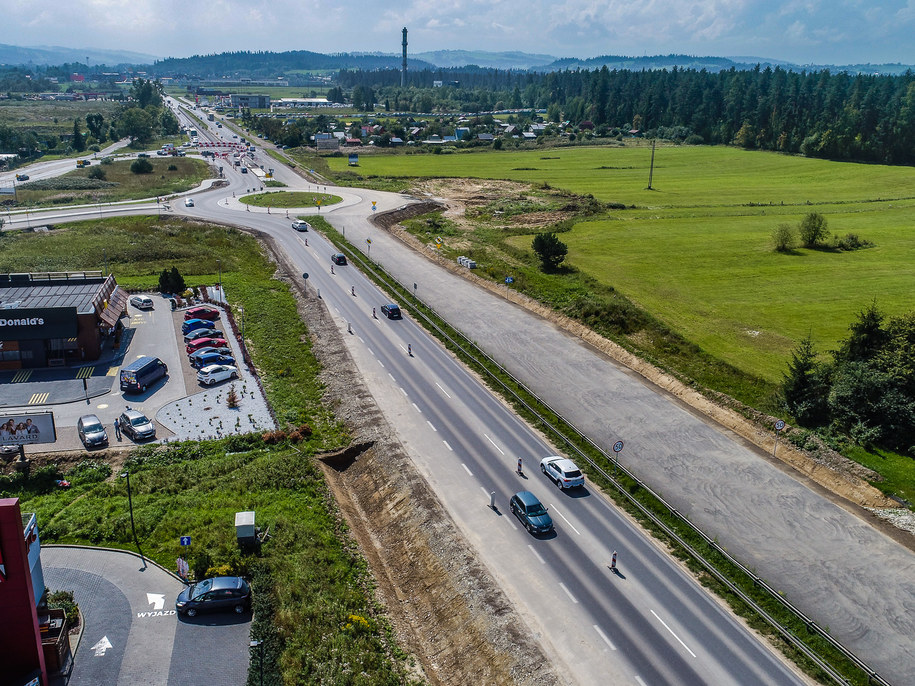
column 185, row 540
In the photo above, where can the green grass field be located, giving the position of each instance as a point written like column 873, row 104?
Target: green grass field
column 52, row 116
column 696, row 250
column 291, row 199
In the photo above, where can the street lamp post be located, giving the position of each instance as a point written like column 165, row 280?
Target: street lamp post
column 133, row 528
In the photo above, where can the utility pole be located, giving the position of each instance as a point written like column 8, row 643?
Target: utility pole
column 651, row 169
column 403, row 71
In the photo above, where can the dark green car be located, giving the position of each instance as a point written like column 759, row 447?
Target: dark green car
column 531, row 513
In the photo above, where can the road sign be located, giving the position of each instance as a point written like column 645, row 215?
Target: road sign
column 373, row 205
column 780, row 424
column 185, row 540
column 368, row 240
column 304, row 275
column 509, row 279
column 617, row 446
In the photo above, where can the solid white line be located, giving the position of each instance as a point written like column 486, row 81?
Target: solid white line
column 639, row 679
column 536, row 554
column 564, row 519
column 494, row 444
column 442, row 389
column 450, row 448
column 469, row 473
column 416, row 407
column 404, row 392
column 606, row 640
column 431, row 427
column 568, row 593
column 392, row 376
column 673, row 634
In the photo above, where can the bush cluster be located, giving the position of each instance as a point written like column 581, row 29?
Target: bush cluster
column 67, row 183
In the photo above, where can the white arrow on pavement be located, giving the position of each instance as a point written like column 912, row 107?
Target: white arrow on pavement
column 157, row 600
column 101, row 647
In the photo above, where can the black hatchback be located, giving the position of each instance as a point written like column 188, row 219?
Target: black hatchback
column 218, row 593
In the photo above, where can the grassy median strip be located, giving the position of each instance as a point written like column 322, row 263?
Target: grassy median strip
column 314, row 606
column 566, row 438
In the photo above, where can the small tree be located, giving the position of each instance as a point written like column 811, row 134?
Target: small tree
column 804, row 387
column 550, row 250
column 783, row 237
column 78, row 143
column 97, row 173
column 813, row 229
column 141, row 166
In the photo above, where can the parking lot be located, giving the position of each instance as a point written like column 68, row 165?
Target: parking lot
column 181, row 408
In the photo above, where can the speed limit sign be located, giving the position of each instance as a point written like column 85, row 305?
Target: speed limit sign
column 780, row 424
column 617, row 446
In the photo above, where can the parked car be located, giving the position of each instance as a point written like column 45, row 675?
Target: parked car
column 91, row 431
column 210, row 358
column 531, row 513
column 191, row 324
column 136, row 425
column 188, row 202
column 197, row 354
column 391, row 311
column 202, row 313
column 338, row 258
column 199, row 343
column 563, row 471
column 141, row 302
column 202, row 333
column 140, row 374
column 215, row 373
column 218, row 593
column 300, row 225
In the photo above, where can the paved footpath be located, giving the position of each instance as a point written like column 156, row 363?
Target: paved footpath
column 132, row 634
column 841, row 571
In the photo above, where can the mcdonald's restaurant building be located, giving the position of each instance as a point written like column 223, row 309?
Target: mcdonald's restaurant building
column 56, row 319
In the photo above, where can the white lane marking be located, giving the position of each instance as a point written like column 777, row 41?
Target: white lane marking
column 494, row 444
column 536, row 554
column 511, row 524
column 404, row 392
column 639, row 679
column 360, row 339
column 157, row 600
column 604, row 637
column 416, row 407
column 392, row 377
column 442, row 389
column 568, row 593
column 402, row 347
column 469, row 473
column 103, row 645
column 380, row 362
column 483, row 489
column 673, row 634
column 449, row 447
column 564, row 519
column 431, row 426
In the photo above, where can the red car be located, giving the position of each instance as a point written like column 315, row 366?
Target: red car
column 199, row 343
column 207, row 313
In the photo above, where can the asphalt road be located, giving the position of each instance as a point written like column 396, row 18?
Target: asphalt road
column 650, row 620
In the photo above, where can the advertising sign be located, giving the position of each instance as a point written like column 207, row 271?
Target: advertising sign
column 27, row 428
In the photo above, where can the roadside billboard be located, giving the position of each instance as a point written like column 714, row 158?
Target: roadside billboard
column 27, row 428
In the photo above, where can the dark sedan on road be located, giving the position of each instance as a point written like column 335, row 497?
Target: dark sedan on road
column 531, row 513
column 391, row 311
column 218, row 593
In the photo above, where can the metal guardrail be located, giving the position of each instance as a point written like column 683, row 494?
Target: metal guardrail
column 476, row 353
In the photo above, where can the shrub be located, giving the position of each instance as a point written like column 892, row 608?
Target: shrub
column 173, row 167
column 141, row 166
column 783, row 238
column 550, row 250
column 108, row 160
column 813, row 229
column 97, row 173
column 63, row 600
column 851, row 241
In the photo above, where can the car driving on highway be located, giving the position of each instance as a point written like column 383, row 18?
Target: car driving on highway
column 563, row 471
column 391, row 311
column 531, row 513
column 300, row 225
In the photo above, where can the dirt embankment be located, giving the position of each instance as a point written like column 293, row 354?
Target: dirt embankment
column 446, row 607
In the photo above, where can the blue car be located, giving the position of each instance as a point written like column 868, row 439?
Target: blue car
column 192, row 324
column 210, row 358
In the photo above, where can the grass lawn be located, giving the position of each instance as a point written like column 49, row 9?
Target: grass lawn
column 313, row 602
column 696, row 251
column 70, row 189
column 291, row 199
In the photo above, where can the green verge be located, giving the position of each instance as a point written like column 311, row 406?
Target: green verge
column 622, row 489
column 119, row 183
column 290, row 199
column 314, row 601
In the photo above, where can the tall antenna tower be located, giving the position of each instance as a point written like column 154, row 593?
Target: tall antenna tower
column 403, row 70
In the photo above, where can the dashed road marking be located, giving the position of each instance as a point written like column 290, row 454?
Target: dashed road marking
column 442, row 390
column 22, row 376
column 404, row 392
column 38, row 398
column 568, row 592
column 467, row 469
column 673, row 634
column 564, row 519
column 536, row 554
column 85, row 372
column 416, row 407
column 639, row 679
column 431, row 426
column 448, row 446
column 494, row 444
column 606, row 640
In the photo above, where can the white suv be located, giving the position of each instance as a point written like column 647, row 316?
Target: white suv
column 563, row 471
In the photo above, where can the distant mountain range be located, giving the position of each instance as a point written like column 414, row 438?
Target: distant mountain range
column 53, row 55
column 277, row 63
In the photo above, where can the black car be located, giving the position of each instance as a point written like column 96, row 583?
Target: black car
column 391, row 311
column 91, row 431
column 338, row 258
column 218, row 593
column 194, row 334
column 531, row 513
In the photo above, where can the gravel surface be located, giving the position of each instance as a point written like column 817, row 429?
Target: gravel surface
column 206, row 415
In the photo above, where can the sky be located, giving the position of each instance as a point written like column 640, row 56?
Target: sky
column 799, row 31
